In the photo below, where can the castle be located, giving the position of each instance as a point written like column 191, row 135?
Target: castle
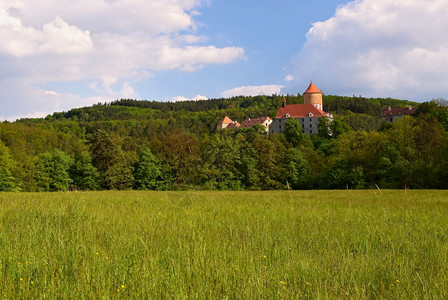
column 308, row 114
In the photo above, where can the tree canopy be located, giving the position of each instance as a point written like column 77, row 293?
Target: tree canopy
column 129, row 144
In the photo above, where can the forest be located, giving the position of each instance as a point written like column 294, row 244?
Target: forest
column 149, row 145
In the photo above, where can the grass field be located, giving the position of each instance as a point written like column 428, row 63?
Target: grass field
column 245, row 245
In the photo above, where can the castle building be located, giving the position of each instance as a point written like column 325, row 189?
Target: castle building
column 308, row 113
column 391, row 114
column 264, row 121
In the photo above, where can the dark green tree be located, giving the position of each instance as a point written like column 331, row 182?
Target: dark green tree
column 293, row 131
column 114, row 164
column 7, row 179
column 297, row 170
column 221, row 158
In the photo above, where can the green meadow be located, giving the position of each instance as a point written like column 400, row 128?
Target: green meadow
column 225, row 245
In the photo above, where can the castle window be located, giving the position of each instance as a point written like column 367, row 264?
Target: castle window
column 310, row 115
column 288, row 115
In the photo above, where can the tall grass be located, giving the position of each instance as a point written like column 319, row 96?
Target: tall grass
column 311, row 244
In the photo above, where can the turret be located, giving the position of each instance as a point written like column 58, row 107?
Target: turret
column 313, row 96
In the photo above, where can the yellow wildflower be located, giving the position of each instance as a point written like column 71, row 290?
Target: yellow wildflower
column 21, row 279
column 122, row 286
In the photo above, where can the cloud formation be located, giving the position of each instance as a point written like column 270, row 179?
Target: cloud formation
column 104, row 42
column 195, row 98
column 378, row 48
column 253, row 91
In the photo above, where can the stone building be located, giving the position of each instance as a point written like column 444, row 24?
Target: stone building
column 308, row 113
column 264, row 121
column 391, row 114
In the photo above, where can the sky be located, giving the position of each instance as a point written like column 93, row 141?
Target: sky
column 59, row 54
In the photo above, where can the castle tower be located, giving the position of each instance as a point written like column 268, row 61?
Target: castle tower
column 313, row 96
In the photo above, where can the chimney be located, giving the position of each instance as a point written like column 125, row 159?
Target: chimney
column 410, row 107
column 389, row 108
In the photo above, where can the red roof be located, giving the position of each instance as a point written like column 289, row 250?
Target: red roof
column 300, row 111
column 312, row 89
column 226, row 120
column 398, row 111
column 233, row 125
column 252, row 122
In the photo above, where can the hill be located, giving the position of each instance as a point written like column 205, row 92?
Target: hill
column 129, row 144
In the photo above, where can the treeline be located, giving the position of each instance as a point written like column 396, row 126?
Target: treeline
column 254, row 106
column 180, row 149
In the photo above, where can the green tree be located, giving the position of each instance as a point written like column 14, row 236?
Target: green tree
column 83, row 174
column 120, row 175
column 338, row 127
column 7, row 179
column 103, row 150
column 293, row 131
column 297, row 170
column 52, row 171
column 114, row 164
column 147, row 171
column 180, row 152
column 324, row 128
column 221, row 158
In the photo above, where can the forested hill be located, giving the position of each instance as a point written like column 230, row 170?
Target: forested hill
column 236, row 107
column 129, row 144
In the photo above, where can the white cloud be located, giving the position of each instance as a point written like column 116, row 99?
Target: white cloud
column 253, row 91
column 110, row 44
column 56, row 37
column 195, row 98
column 199, row 97
column 289, row 78
column 49, row 101
column 378, row 48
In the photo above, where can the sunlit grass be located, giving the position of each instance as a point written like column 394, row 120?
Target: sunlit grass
column 311, row 244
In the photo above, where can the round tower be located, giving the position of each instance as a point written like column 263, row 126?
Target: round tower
column 313, row 96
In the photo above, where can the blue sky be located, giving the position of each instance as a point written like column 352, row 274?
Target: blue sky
column 59, row 55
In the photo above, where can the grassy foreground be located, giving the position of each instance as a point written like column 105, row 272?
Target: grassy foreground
column 310, row 244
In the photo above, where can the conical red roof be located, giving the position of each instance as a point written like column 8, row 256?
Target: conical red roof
column 312, row 89
column 226, row 120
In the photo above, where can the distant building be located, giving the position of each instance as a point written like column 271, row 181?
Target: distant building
column 391, row 114
column 227, row 123
column 308, row 114
column 234, row 125
column 264, row 121
column 224, row 123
